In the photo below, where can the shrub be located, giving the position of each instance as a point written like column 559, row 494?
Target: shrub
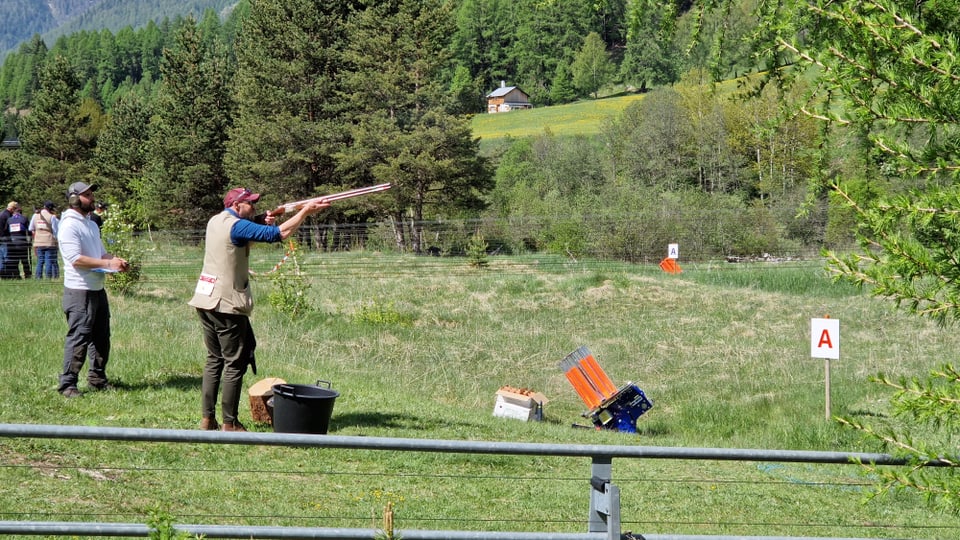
column 477, row 251
column 120, row 240
column 290, row 286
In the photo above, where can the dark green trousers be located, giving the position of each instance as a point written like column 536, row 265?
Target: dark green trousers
column 230, row 349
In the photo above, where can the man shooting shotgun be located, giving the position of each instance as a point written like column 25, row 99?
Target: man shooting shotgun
column 223, row 298
column 289, row 207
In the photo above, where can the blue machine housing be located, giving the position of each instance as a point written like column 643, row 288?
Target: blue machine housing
column 620, row 411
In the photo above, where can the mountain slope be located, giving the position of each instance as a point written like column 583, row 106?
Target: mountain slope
column 21, row 19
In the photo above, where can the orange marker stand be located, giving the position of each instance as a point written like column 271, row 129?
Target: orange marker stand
column 670, row 266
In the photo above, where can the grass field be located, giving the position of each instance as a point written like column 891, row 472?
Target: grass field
column 583, row 118
column 417, row 347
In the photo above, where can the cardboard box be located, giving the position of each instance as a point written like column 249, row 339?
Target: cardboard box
column 519, row 403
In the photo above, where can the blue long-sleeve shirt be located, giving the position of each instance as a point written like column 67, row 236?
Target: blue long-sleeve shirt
column 245, row 231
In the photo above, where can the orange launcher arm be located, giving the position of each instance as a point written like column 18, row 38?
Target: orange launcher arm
column 584, row 389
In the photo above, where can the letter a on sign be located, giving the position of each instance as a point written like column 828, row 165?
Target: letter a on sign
column 825, row 338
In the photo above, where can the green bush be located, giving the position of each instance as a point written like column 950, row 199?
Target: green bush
column 375, row 313
column 120, row 239
column 289, row 292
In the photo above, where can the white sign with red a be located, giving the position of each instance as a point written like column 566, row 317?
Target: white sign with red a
column 825, row 338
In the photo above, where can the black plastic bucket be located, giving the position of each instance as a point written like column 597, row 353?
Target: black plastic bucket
column 302, row 408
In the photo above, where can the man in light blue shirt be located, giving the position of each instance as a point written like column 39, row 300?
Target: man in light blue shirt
column 85, row 265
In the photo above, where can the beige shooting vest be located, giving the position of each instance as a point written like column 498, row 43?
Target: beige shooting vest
column 43, row 230
column 224, row 284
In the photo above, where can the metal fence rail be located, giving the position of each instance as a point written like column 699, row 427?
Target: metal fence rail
column 603, row 518
column 298, row 533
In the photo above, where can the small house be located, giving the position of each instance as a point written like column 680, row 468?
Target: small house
column 507, row 98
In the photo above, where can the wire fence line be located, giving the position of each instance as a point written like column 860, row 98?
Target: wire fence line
column 634, row 238
column 584, row 243
column 87, row 520
column 552, row 243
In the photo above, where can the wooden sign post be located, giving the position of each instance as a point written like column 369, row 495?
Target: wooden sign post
column 825, row 343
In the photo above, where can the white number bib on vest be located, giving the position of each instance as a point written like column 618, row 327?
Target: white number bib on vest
column 205, row 284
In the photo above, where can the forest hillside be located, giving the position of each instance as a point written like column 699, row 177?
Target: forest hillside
column 168, row 116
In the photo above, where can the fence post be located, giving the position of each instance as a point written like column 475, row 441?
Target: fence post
column 604, row 499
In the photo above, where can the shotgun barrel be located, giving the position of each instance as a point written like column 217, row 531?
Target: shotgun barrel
column 333, row 197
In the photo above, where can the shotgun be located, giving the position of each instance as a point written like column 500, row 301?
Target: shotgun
column 289, row 207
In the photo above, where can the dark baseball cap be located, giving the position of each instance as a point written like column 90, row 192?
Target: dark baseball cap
column 77, row 188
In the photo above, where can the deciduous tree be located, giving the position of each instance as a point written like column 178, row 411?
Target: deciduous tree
column 592, row 67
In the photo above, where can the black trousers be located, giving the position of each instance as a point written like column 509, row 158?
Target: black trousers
column 88, row 335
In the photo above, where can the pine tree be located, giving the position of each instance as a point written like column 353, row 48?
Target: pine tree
column 403, row 132
column 483, row 39
column 651, row 57
column 562, row 90
column 184, row 179
column 121, row 154
column 57, row 135
column 21, row 74
column 290, row 99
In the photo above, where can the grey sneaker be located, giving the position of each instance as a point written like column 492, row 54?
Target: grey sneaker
column 71, row 393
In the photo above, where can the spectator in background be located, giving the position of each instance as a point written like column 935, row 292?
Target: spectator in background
column 97, row 215
column 5, row 233
column 18, row 250
column 43, row 227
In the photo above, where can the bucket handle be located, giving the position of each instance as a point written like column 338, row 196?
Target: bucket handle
column 290, row 391
column 285, row 390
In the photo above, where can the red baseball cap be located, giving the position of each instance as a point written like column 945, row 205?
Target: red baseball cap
column 239, row 194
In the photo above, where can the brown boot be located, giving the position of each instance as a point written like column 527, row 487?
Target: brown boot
column 233, row 426
column 209, row 424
